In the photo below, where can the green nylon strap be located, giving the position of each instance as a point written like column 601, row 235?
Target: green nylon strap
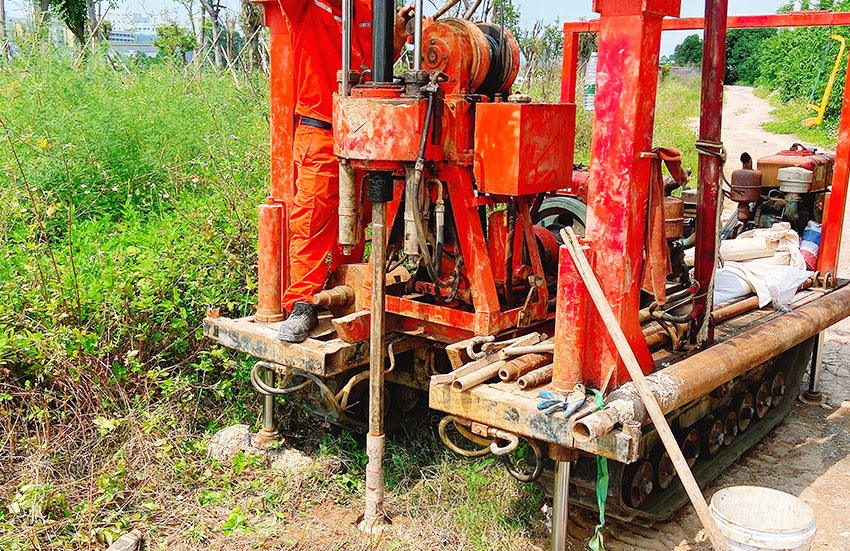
column 596, row 543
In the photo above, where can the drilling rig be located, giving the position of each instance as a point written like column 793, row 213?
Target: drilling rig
column 472, row 296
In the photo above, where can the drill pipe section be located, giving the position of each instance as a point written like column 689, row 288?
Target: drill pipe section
column 697, row 375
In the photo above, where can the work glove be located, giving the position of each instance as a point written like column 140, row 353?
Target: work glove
column 554, row 402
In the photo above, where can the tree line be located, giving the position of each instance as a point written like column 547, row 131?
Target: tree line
column 794, row 62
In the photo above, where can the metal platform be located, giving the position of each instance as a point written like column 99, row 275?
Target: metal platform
column 503, row 405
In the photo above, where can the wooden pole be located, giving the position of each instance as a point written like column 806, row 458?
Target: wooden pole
column 652, row 407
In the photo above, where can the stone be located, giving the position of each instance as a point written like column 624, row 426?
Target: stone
column 128, row 542
column 843, row 372
column 229, row 441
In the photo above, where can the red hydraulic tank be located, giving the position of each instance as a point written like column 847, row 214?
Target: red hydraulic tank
column 521, row 149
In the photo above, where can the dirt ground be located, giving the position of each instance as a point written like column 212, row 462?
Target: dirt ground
column 808, row 454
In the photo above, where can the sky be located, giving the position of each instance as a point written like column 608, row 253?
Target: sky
column 531, row 10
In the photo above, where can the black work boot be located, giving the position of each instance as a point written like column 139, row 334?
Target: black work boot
column 300, row 322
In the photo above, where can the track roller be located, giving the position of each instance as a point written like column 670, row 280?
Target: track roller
column 690, row 447
column 665, row 472
column 730, row 425
column 745, row 407
column 639, row 477
column 763, row 400
column 777, row 388
column 711, row 432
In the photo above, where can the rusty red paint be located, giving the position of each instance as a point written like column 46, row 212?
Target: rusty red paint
column 569, row 67
column 269, row 263
column 383, row 128
column 570, row 327
column 711, row 110
column 521, row 149
column 282, row 88
column 617, row 188
column 833, row 216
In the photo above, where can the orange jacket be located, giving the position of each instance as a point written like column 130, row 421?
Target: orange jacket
column 316, row 35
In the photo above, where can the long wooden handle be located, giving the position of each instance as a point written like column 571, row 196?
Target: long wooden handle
column 649, row 402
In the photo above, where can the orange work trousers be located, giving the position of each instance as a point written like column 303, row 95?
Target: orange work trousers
column 313, row 216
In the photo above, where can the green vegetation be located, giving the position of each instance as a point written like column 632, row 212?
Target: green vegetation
column 130, row 199
column 743, row 54
column 689, row 52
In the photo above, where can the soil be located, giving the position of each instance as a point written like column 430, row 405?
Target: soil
column 808, row 454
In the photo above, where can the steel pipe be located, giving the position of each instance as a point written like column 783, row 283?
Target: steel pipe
column 710, row 165
column 560, row 506
column 570, row 325
column 348, row 211
column 417, row 34
column 383, row 22
column 813, row 394
column 347, row 18
column 374, row 516
column 269, row 263
column 697, row 375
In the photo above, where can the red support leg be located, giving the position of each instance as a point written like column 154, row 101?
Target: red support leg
column 833, row 216
column 618, row 188
column 569, row 68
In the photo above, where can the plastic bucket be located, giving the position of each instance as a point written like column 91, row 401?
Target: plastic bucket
column 756, row 519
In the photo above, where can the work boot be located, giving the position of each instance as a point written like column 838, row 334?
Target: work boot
column 300, row 322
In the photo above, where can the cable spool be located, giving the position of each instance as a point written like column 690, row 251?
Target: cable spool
column 504, row 59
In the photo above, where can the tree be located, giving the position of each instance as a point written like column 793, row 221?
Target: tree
column 174, row 41
column 74, row 14
column 213, row 9
column 743, row 53
column 251, row 21
column 689, row 52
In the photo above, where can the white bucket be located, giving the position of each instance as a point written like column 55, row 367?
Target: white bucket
column 757, row 519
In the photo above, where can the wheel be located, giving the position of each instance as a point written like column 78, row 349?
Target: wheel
column 561, row 211
column 639, row 483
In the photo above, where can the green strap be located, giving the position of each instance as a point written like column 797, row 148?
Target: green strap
column 596, row 543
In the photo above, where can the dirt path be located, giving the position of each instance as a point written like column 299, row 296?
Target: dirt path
column 809, row 453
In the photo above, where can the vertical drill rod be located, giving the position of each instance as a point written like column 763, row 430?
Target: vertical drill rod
column 560, row 506
column 382, row 40
column 268, row 405
column 375, row 439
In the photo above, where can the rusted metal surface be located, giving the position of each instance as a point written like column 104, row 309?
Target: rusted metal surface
column 502, row 406
column 570, row 325
column 376, row 128
column 459, row 49
column 319, row 357
column 629, row 39
column 522, row 149
column 674, row 218
column 341, row 295
column 522, row 365
column 711, row 106
column 269, row 262
column 704, row 371
column 538, row 377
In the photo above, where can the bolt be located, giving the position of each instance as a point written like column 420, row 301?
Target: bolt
column 645, row 487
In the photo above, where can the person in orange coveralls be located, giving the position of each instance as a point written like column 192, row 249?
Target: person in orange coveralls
column 316, row 35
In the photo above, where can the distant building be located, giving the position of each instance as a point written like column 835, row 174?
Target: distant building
column 132, row 34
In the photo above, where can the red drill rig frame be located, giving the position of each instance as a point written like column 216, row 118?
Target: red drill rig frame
column 470, row 158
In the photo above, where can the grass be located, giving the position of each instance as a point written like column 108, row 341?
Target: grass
column 787, row 116
column 129, row 207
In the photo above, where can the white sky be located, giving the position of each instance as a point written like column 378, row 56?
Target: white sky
column 531, row 10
